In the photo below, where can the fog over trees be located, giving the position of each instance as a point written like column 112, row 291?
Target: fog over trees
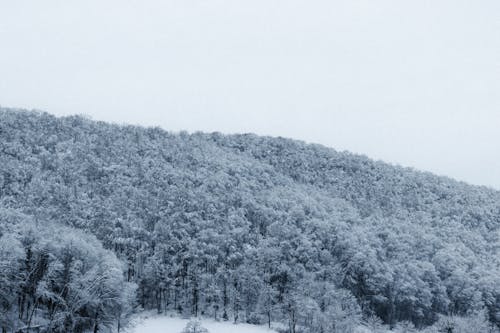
column 99, row 220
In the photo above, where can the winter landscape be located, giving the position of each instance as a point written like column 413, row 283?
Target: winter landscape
column 100, row 222
column 237, row 166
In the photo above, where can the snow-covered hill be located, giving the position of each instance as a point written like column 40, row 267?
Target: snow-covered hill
column 266, row 228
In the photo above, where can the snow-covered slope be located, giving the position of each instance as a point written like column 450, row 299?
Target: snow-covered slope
column 162, row 324
column 279, row 227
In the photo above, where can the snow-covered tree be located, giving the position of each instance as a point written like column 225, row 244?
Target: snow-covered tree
column 194, row 326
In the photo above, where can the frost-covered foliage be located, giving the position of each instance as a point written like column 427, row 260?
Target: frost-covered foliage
column 477, row 322
column 194, row 326
column 57, row 278
column 255, row 229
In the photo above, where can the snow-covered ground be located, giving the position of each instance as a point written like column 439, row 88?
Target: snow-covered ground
column 164, row 324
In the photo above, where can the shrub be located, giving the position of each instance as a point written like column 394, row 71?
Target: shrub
column 194, row 326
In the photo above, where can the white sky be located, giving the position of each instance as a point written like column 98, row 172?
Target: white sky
column 415, row 83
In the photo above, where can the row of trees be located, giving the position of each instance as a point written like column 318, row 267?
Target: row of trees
column 255, row 290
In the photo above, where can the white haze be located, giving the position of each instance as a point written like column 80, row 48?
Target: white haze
column 411, row 82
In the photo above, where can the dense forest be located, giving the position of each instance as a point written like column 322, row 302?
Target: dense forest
column 99, row 220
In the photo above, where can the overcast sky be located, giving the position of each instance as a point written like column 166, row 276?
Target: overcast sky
column 415, row 83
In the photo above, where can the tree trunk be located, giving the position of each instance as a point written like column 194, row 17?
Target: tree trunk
column 96, row 326
column 224, row 300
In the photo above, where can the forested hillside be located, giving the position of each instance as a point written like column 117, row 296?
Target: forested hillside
column 97, row 220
